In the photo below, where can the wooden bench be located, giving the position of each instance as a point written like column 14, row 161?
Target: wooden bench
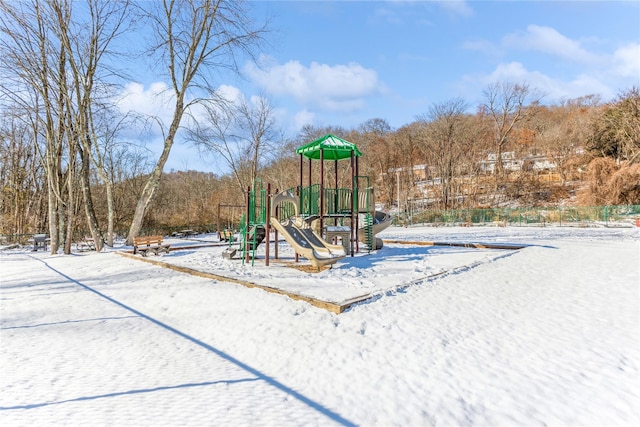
column 226, row 235
column 145, row 244
column 86, row 244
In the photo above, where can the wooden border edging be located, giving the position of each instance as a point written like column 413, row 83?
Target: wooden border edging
column 326, row 305
column 462, row 245
column 330, row 306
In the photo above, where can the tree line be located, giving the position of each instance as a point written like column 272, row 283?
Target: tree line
column 68, row 161
column 59, row 78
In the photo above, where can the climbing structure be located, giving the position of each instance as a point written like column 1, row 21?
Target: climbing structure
column 313, row 218
column 351, row 208
column 253, row 224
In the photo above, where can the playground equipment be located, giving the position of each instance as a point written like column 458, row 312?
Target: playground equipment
column 352, row 208
column 302, row 238
column 253, row 224
column 228, row 229
column 302, row 215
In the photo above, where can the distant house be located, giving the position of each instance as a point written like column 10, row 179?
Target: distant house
column 538, row 163
column 511, row 163
column 419, row 172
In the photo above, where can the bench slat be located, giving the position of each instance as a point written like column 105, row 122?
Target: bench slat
column 146, row 244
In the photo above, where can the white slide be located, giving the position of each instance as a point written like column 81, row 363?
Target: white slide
column 307, row 243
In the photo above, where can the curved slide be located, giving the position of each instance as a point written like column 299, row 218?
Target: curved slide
column 308, row 244
column 381, row 221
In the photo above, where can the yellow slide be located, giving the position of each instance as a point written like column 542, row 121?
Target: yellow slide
column 308, row 244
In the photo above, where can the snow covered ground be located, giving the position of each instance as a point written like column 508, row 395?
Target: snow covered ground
column 547, row 335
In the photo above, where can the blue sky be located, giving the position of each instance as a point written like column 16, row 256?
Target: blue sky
column 392, row 60
column 342, row 63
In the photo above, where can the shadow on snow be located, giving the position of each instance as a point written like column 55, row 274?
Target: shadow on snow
column 259, row 376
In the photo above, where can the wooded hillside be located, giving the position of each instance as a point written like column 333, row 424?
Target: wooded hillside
column 73, row 161
column 580, row 152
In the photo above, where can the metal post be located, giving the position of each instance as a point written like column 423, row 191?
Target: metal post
column 299, row 192
column 335, row 193
column 266, row 226
column 246, row 226
column 356, row 172
column 321, row 189
column 354, row 232
column 398, row 182
column 275, row 234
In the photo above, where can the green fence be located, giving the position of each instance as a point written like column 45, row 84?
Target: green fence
column 582, row 216
column 569, row 216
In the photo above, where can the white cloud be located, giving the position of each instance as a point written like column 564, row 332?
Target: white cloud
column 589, row 72
column 333, row 88
column 302, row 118
column 513, row 71
column 155, row 101
column 626, row 61
column 152, row 101
column 553, row 88
column 459, row 7
column 230, row 93
column 158, row 101
column 548, row 40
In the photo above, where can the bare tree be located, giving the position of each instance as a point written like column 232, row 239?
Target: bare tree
column 446, row 141
column 34, row 79
column 21, row 185
column 259, row 132
column 505, row 104
column 371, row 133
column 52, row 70
column 616, row 133
column 283, row 169
column 86, row 43
column 194, row 39
column 107, row 152
column 242, row 134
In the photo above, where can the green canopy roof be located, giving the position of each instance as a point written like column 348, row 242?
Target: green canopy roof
column 334, row 148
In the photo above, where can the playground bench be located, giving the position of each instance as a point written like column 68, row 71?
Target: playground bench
column 86, row 243
column 225, row 235
column 145, row 244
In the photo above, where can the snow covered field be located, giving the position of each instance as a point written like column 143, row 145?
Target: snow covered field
column 547, row 335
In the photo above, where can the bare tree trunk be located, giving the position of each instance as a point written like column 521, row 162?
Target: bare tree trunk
column 70, row 214
column 110, row 213
column 193, row 37
column 153, row 182
column 85, row 185
column 52, row 208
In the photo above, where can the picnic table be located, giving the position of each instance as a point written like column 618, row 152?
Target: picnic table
column 184, row 233
column 86, row 243
column 40, row 241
